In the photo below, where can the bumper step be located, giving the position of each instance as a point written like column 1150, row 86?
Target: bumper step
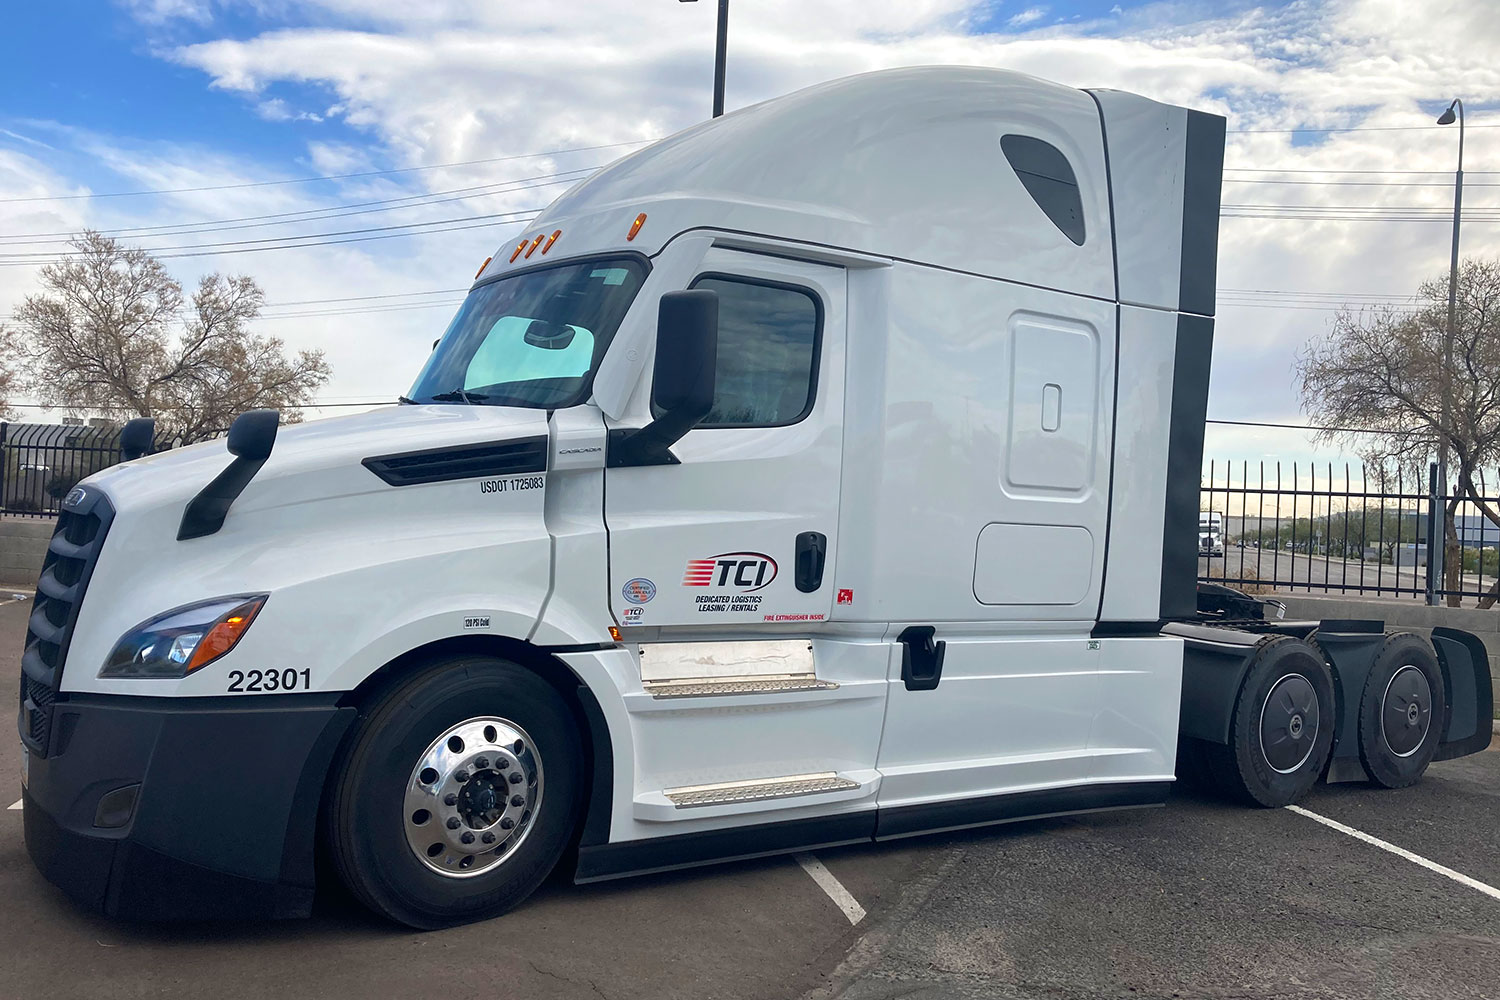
column 706, row 687
column 726, row 792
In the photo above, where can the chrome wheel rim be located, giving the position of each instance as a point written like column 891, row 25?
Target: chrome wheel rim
column 472, row 798
column 1406, row 711
column 1289, row 723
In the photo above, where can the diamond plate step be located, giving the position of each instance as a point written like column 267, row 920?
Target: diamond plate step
column 704, row 687
column 751, row 791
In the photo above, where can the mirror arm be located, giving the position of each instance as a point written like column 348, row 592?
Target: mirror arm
column 652, row 444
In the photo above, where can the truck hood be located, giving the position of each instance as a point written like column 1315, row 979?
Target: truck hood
column 320, row 460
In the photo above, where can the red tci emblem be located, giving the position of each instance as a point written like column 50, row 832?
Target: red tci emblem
column 846, row 596
column 744, row 571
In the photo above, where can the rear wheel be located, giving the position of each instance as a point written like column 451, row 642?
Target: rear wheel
column 457, row 793
column 1282, row 728
column 1401, row 711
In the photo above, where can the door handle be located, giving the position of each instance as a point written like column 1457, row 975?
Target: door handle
column 812, row 552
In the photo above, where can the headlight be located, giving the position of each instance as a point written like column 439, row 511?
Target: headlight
column 185, row 639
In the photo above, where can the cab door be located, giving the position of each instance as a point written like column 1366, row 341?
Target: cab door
column 741, row 533
column 746, row 710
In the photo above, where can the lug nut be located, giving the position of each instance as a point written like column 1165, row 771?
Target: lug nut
column 481, row 762
column 516, row 777
column 461, row 776
column 501, row 763
column 506, row 823
column 454, row 822
column 518, row 800
column 451, row 799
column 467, row 838
column 488, row 838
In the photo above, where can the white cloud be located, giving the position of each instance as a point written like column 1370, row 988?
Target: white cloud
column 452, row 80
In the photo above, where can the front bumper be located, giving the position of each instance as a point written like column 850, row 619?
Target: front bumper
column 183, row 808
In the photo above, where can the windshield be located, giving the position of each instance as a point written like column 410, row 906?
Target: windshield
column 533, row 339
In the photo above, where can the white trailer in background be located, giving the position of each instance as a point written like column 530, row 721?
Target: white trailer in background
column 822, row 473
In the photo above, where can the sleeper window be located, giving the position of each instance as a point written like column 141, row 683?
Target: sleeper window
column 768, row 352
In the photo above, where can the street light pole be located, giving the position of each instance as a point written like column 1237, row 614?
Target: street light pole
column 721, row 48
column 1446, row 381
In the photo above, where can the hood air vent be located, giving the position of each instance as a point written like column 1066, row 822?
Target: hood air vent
column 472, row 461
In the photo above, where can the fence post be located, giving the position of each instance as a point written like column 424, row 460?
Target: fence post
column 1435, row 540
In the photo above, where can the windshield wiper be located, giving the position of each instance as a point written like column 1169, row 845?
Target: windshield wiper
column 458, row 395
column 405, row 401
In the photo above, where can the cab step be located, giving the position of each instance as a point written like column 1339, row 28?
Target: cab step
column 726, row 792
column 707, row 687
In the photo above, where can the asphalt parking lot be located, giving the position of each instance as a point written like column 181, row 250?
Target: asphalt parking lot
column 1200, row 899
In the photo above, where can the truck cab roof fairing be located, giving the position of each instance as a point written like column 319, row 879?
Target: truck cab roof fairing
column 924, row 179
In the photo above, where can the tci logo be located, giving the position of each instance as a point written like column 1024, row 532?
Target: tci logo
column 745, row 571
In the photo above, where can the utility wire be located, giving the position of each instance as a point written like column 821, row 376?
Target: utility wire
column 328, row 177
column 317, row 214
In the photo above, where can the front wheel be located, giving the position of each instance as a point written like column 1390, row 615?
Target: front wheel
column 457, row 793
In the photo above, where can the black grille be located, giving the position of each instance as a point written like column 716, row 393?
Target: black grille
column 466, row 462
column 71, row 555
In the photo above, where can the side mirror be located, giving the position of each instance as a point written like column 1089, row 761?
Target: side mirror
column 137, row 438
column 682, row 384
column 253, row 434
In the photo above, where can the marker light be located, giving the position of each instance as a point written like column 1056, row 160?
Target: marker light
column 179, row 642
column 534, row 245
column 635, row 227
column 614, row 632
column 487, row 264
column 550, row 240
column 517, row 251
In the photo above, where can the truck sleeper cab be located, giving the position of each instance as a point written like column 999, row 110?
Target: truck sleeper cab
column 822, row 473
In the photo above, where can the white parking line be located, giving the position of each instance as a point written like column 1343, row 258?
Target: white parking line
column 835, row 889
column 14, row 805
column 1400, row 852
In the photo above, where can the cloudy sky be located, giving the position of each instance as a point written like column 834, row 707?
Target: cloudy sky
column 360, row 158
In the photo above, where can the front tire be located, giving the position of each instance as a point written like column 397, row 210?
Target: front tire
column 1401, row 712
column 1282, row 729
column 456, row 794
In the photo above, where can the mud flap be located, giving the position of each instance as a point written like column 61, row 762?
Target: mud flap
column 1471, row 698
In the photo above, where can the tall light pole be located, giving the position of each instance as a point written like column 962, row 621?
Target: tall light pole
column 721, row 47
column 1446, row 380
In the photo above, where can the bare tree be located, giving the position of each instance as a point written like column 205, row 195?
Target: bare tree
column 10, row 353
column 1383, row 370
column 100, row 337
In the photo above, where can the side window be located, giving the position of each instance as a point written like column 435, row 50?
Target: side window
column 1048, row 177
column 768, row 352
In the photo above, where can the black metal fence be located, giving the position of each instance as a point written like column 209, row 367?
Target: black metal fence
column 40, row 463
column 1316, row 529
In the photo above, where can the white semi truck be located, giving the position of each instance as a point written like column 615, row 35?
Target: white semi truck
column 824, row 473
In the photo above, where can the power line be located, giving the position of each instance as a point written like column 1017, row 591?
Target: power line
column 317, row 214
column 1350, row 128
column 1332, row 170
column 238, row 246
column 328, row 177
column 1298, row 427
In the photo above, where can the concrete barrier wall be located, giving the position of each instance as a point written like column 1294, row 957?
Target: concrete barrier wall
column 23, row 545
column 1406, row 614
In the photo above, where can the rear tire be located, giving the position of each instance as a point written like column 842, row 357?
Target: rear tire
column 1401, row 712
column 1282, row 728
column 456, row 794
